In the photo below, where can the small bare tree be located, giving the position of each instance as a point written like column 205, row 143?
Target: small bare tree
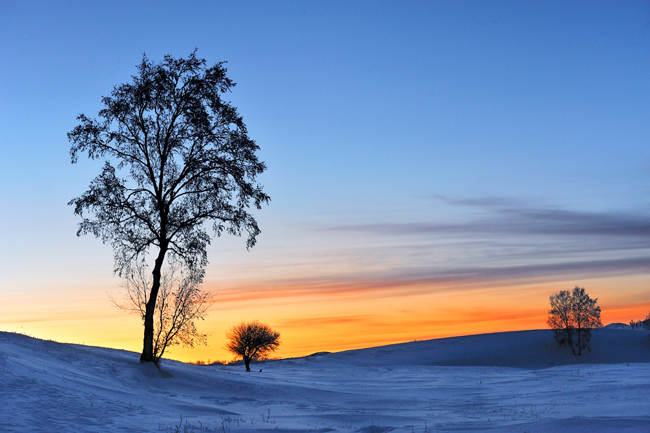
column 572, row 317
column 251, row 341
column 181, row 302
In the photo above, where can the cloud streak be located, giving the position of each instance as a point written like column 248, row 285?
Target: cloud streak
column 523, row 221
column 506, row 244
column 405, row 282
column 504, row 228
column 323, row 321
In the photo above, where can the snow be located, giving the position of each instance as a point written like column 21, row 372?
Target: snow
column 505, row 382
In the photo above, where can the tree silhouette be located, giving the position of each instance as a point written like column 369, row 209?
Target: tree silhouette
column 251, row 341
column 176, row 156
column 572, row 317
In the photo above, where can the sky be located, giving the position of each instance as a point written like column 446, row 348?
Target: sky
column 435, row 168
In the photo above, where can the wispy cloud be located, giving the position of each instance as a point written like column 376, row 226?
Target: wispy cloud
column 526, row 221
column 507, row 243
column 406, row 282
column 501, row 227
column 323, row 321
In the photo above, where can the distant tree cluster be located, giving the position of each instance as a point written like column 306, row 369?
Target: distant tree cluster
column 572, row 317
column 641, row 323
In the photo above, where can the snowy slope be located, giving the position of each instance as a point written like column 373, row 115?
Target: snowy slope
column 457, row 384
column 521, row 349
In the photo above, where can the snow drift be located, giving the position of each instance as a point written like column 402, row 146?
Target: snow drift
column 514, row 381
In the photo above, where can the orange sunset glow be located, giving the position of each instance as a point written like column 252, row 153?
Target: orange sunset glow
column 334, row 318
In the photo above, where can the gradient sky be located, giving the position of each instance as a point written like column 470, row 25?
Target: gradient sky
column 435, row 168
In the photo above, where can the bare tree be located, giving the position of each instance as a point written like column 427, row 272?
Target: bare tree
column 181, row 303
column 572, row 317
column 252, row 341
column 176, row 156
column 561, row 318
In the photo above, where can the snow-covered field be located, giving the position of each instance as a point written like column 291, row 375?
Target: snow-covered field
column 507, row 382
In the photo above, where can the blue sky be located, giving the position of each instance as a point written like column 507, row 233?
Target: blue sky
column 404, row 140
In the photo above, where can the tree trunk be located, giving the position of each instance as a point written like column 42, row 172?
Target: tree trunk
column 147, row 347
column 579, row 341
column 247, row 361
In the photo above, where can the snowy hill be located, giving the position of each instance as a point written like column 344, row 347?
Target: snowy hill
column 516, row 381
column 521, row 349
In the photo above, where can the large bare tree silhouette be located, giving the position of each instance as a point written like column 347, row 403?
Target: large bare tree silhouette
column 177, row 156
